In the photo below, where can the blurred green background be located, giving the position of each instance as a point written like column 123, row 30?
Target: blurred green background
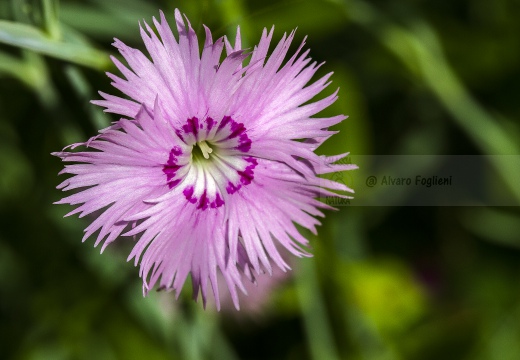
column 416, row 77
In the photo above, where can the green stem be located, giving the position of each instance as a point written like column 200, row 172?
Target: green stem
column 319, row 334
column 50, row 18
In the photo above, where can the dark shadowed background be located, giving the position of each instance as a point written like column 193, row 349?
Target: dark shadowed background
column 386, row 282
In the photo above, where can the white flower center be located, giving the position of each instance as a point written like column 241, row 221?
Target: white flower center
column 205, row 180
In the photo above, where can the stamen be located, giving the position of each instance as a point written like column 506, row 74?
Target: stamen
column 204, row 147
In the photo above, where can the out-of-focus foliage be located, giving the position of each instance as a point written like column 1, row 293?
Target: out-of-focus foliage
column 416, row 77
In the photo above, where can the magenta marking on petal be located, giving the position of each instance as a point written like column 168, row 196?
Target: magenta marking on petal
column 178, row 133
column 218, row 202
column 244, row 146
column 251, row 160
column 188, row 193
column 170, row 170
column 171, row 167
column 203, row 203
column 236, row 129
column 172, row 159
column 210, row 123
column 174, row 183
column 232, row 188
column 246, row 176
column 192, row 126
column 176, row 150
column 225, row 120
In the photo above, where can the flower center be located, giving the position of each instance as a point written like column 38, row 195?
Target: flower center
column 211, row 162
column 201, row 148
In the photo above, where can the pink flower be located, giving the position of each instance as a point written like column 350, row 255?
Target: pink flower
column 213, row 163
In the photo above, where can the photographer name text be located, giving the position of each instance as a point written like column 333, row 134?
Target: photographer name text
column 418, row 180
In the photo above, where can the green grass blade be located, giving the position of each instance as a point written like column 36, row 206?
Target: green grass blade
column 31, row 38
